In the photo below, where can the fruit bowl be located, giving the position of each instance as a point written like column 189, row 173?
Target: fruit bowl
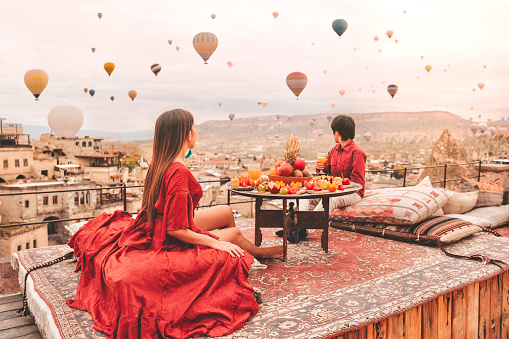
column 289, row 180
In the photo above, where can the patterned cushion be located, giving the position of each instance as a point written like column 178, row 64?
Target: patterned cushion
column 402, row 206
column 446, row 229
column 490, row 194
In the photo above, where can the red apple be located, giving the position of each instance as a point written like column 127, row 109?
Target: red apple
column 285, row 169
column 299, row 163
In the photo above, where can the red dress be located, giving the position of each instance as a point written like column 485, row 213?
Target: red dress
column 138, row 282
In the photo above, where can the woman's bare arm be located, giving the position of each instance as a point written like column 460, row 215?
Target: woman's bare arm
column 190, row 237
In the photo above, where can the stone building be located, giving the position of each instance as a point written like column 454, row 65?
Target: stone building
column 16, row 153
column 13, row 239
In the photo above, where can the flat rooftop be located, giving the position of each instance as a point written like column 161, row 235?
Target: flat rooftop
column 35, row 184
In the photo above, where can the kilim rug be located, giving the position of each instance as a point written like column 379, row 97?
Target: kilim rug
column 314, row 294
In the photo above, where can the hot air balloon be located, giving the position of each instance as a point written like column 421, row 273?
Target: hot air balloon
column 422, row 57
column 502, row 130
column 375, row 38
column 502, row 118
column 290, row 117
column 260, row 127
column 489, row 120
column 264, row 104
column 177, row 48
column 205, row 44
column 481, row 85
column 112, row 98
column 85, row 90
column 36, row 81
column 319, row 132
column 109, row 67
column 230, row 64
column 427, row 68
column 278, row 116
column 342, row 92
column 473, row 89
column 93, row 49
column 329, row 118
column 392, row 89
column 170, row 42
column 484, row 66
column 91, row 92
column 65, row 120
column 339, row 26
column 279, row 124
column 396, row 41
column 474, row 128
column 231, row 116
column 311, row 123
column 479, row 116
column 324, row 71
column 271, row 128
column 492, row 130
column 219, row 103
column 379, row 51
column 471, row 119
column 367, row 136
column 389, row 33
column 313, row 118
column 132, row 94
column 99, row 15
column 213, row 16
column 155, row 68
column 471, row 108
column 275, row 14
column 297, row 81
column 483, row 127
column 487, row 136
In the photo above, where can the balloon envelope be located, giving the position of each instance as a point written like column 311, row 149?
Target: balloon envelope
column 219, row 103
column 275, row 14
column 36, row 81
column 483, row 127
column 367, row 136
column 65, row 120
column 502, row 130
column 112, row 98
column 155, row 68
column 85, row 90
column 132, row 94
column 170, row 42
column 296, row 81
column 231, row 116
column 375, row 38
column 205, row 44
column 339, row 26
column 427, row 68
column 474, row 128
column 290, row 117
column 329, row 118
column 311, row 123
column 93, row 49
column 392, row 89
column 109, row 67
column 492, row 130
column 230, row 64
column 333, row 105
column 278, row 116
column 91, row 92
column 389, row 33
column 342, row 92
column 481, row 85
column 213, row 16
column 100, row 15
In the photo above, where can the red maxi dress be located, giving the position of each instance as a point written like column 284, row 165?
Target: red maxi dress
column 138, row 282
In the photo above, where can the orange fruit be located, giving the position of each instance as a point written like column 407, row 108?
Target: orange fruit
column 278, row 163
column 273, row 172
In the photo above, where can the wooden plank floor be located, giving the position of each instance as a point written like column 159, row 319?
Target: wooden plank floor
column 12, row 326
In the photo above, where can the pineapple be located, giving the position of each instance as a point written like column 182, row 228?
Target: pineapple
column 292, row 151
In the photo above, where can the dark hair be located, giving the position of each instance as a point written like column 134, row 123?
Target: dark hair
column 344, row 125
column 171, row 130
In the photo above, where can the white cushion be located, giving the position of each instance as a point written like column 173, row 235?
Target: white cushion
column 498, row 215
column 461, row 203
column 481, row 222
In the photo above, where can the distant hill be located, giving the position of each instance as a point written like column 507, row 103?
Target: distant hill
column 36, row 131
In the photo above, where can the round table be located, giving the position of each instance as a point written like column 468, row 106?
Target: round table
column 290, row 218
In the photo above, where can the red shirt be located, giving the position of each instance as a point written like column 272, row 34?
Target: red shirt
column 348, row 162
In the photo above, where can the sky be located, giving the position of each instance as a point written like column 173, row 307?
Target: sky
column 456, row 37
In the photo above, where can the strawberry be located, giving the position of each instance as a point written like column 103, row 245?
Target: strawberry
column 346, row 181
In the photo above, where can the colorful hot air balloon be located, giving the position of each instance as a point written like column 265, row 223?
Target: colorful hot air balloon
column 339, row 26
column 479, row 116
column 99, row 15
column 484, row 66
column 170, row 42
column 483, row 127
column 260, row 127
column 177, row 48
column 367, row 136
column 474, row 128
column 93, row 49
column 290, row 117
column 271, row 128
column 109, row 67
column 297, row 81
column 91, row 92
column 389, row 33
column 481, row 85
column 324, row 71
column 230, row 64
column 422, row 57
column 489, row 120
column 311, row 123
column 65, row 120
column 219, row 103
column 471, row 108
column 264, row 104
column 275, row 14
column 231, row 116
column 375, row 38
column 396, row 41
column 85, row 90
column 36, row 81
column 342, row 92
column 473, row 89
column 427, row 68
column 278, row 116
column 279, row 124
column 492, row 130
column 132, row 94
column 329, row 118
column 213, row 16
column 205, row 44
column 319, row 132
column 155, row 68
column 112, row 98
column 392, row 89
column 333, row 105
column 471, row 119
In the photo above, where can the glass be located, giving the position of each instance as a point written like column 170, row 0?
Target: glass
column 254, row 171
column 321, row 158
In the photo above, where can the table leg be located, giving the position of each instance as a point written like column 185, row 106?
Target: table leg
column 258, row 232
column 285, row 231
column 325, row 232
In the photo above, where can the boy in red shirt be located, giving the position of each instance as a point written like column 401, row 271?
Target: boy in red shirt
column 346, row 159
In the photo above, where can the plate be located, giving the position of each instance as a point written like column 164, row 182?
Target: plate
column 240, row 188
column 289, row 180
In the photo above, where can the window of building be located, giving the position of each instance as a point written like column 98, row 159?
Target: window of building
column 25, row 162
column 6, row 163
column 84, row 144
column 76, row 199
column 77, row 143
column 19, row 248
column 90, row 144
column 35, row 243
column 44, row 172
column 82, row 200
column 27, row 204
column 88, row 197
column 16, row 163
column 45, row 201
column 55, row 200
column 27, row 245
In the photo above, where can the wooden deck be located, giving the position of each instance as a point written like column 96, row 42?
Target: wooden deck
column 12, row 326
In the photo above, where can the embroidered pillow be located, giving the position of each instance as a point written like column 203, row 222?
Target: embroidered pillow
column 401, row 206
column 489, row 194
column 460, row 203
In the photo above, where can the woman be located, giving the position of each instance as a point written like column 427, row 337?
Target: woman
column 168, row 273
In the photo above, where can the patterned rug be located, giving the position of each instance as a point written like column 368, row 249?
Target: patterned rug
column 313, row 294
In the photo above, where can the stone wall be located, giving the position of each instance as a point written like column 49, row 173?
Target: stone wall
column 23, row 237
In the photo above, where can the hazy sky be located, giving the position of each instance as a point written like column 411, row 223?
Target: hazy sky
column 459, row 36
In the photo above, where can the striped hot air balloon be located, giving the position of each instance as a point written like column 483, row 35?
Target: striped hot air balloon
column 297, row 81
column 392, row 89
column 205, row 44
column 155, row 68
column 36, row 81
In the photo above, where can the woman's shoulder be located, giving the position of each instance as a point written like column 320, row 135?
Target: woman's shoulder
column 177, row 176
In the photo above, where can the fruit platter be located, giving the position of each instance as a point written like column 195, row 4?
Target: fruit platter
column 293, row 168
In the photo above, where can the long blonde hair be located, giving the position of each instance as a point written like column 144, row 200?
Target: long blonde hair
column 172, row 128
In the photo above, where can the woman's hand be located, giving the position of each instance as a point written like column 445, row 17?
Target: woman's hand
column 319, row 166
column 228, row 247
